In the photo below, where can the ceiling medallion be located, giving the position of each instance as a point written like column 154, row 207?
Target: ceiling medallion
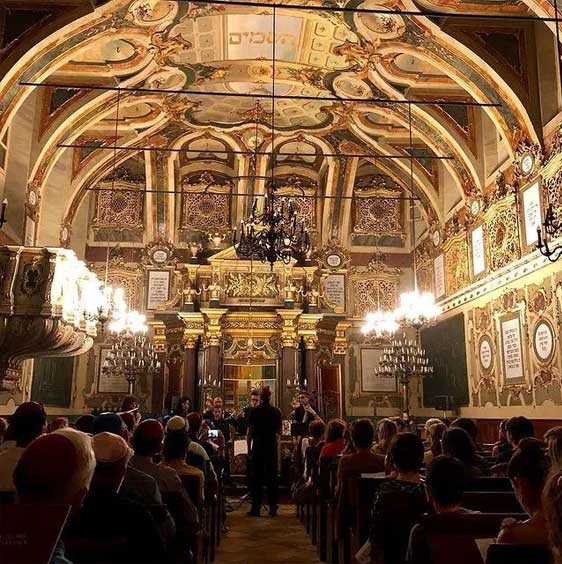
column 273, row 235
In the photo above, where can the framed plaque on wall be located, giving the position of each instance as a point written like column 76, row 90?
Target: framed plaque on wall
column 109, row 384
column 334, row 291
column 477, row 251
column 439, row 275
column 370, row 380
column 511, row 337
column 544, row 341
column 531, row 214
column 157, row 288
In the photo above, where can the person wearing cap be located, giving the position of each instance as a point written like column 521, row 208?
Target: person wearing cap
column 147, row 442
column 56, row 469
column 138, row 486
column 26, row 424
column 122, row 529
column 196, row 455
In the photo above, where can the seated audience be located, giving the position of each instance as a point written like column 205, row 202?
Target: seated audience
column 57, row 423
column 386, row 431
column 364, row 460
column 175, row 451
column 552, row 508
column 147, row 442
column 122, row 529
column 398, row 503
column 85, row 423
column 502, row 445
column 314, row 442
column 196, row 455
column 434, row 435
column 516, row 429
column 445, row 484
column 469, row 425
column 457, row 443
column 26, row 424
column 431, row 421
column 401, row 425
column 130, row 421
column 335, row 442
column 138, row 486
column 553, row 440
column 56, row 469
column 528, row 470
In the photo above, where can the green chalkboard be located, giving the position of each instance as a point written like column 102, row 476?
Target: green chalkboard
column 444, row 344
column 52, row 381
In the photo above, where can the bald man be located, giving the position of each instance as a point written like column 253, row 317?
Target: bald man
column 125, row 529
column 56, row 469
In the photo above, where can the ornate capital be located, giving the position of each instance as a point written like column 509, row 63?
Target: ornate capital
column 193, row 328
column 159, row 336
column 289, row 329
column 308, row 329
column 340, row 341
column 213, row 329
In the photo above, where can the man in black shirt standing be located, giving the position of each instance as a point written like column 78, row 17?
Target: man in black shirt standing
column 263, row 430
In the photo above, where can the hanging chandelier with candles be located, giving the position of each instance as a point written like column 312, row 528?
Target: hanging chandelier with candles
column 273, row 235
column 132, row 354
column 417, row 309
column 380, row 324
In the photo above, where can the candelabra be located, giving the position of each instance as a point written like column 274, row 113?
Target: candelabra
column 131, row 354
column 275, row 234
column 404, row 359
column 417, row 310
column 552, row 229
column 381, row 324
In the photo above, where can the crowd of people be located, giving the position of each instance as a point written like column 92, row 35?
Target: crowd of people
column 158, row 473
column 428, row 474
column 135, row 485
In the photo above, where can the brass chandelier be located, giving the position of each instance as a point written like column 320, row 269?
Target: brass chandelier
column 274, row 234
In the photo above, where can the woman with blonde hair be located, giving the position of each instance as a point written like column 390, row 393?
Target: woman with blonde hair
column 434, row 433
column 386, row 431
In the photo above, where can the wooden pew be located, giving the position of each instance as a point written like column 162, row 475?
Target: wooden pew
column 518, row 554
column 327, row 543
column 489, row 485
column 192, row 486
column 452, row 537
column 492, row 502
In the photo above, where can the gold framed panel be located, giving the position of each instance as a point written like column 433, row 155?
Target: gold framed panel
column 544, row 341
column 155, row 290
column 370, row 382
column 471, row 255
column 512, row 348
column 486, row 355
column 529, row 244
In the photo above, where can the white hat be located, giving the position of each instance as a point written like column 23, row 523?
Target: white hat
column 177, row 423
column 110, row 448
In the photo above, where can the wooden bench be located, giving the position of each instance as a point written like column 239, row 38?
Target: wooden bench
column 452, row 537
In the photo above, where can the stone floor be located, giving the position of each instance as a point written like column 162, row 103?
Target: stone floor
column 254, row 540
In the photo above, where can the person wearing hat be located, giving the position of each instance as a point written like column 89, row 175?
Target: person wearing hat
column 26, row 424
column 196, row 455
column 120, row 529
column 138, row 486
column 147, row 442
column 56, row 469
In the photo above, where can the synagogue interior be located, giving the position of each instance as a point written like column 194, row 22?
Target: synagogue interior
column 280, row 281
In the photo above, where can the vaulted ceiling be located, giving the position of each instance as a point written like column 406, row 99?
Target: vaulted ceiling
column 221, row 55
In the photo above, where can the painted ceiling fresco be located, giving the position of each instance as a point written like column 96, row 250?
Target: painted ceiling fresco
column 183, row 67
